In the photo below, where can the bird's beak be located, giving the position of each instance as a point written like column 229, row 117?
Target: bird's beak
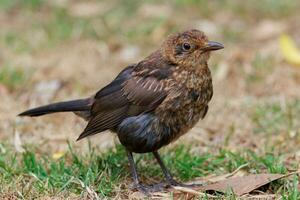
column 213, row 46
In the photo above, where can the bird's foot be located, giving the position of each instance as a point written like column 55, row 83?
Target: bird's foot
column 172, row 182
column 148, row 189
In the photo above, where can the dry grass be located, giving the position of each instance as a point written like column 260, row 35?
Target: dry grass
column 58, row 50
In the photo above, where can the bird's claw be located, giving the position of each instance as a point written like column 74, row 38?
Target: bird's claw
column 148, row 189
column 172, row 182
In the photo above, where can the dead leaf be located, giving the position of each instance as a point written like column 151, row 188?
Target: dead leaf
column 260, row 196
column 192, row 191
column 214, row 178
column 58, row 155
column 242, row 185
column 239, row 185
column 289, row 50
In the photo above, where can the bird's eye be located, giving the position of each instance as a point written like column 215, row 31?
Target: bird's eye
column 186, row 46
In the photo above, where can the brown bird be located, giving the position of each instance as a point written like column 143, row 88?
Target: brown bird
column 151, row 103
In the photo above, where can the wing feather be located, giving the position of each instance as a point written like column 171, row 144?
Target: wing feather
column 130, row 94
column 147, row 92
column 102, row 122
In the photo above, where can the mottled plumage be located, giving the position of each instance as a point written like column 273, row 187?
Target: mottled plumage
column 151, row 103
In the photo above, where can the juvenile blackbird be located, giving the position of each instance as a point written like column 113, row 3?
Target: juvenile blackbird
column 150, row 103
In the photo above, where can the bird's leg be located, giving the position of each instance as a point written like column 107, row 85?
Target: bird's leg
column 137, row 185
column 167, row 174
column 133, row 168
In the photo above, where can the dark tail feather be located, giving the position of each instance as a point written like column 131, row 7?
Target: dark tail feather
column 66, row 106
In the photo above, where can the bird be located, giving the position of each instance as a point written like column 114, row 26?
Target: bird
column 150, row 103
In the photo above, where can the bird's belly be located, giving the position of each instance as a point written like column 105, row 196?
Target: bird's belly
column 148, row 132
column 144, row 133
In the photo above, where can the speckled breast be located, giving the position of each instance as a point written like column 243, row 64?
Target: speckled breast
column 189, row 94
column 185, row 104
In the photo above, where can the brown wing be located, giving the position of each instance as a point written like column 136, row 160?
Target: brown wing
column 144, row 92
column 128, row 95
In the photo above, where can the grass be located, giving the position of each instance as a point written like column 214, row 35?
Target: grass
column 272, row 118
column 60, row 26
column 13, row 77
column 292, row 191
column 267, row 8
column 27, row 4
column 261, row 68
column 30, row 173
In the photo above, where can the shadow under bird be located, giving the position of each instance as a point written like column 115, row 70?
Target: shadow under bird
column 151, row 103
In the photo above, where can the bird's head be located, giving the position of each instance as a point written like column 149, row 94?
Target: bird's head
column 189, row 48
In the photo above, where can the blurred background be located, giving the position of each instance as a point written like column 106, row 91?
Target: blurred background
column 64, row 49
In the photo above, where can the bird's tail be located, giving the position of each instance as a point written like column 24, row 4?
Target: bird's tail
column 66, row 106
